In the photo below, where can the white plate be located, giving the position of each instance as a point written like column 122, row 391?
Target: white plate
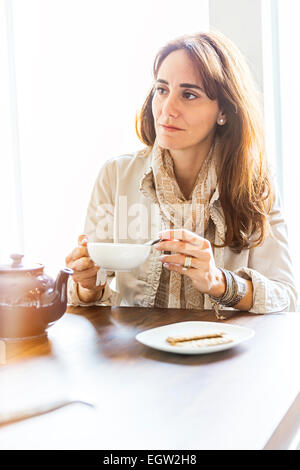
column 156, row 337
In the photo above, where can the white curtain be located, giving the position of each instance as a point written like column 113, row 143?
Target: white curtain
column 11, row 217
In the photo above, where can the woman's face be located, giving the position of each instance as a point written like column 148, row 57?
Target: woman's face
column 179, row 100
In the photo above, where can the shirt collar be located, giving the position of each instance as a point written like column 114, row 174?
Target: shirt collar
column 147, row 187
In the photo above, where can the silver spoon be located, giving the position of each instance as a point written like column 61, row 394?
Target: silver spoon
column 153, row 242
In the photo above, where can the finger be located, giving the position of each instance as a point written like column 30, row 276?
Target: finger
column 180, row 259
column 89, row 283
column 85, row 275
column 78, row 252
column 184, row 235
column 68, row 259
column 178, row 247
column 176, row 258
column 82, row 264
column 190, row 272
column 83, row 239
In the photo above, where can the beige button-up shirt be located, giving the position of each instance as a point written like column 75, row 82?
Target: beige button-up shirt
column 120, row 212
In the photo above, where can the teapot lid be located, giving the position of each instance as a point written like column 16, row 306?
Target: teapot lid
column 17, row 265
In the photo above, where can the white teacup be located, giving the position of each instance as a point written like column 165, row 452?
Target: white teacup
column 118, row 256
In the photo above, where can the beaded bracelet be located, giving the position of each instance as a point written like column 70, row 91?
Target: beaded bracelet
column 241, row 289
column 236, row 289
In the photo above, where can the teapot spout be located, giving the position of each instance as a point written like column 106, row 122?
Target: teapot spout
column 61, row 284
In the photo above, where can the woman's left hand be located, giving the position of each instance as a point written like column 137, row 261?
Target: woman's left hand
column 206, row 277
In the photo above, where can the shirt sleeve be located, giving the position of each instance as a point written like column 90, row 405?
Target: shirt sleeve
column 270, row 268
column 73, row 298
column 98, row 226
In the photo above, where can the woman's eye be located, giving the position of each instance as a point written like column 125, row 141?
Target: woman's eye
column 189, row 96
column 160, row 90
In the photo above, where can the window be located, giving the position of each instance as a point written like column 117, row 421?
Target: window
column 82, row 70
column 288, row 37
column 11, row 238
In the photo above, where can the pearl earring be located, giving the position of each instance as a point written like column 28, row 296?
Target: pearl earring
column 221, row 121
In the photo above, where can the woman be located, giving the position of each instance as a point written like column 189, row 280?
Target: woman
column 203, row 179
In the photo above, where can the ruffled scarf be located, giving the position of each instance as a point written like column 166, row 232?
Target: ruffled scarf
column 178, row 212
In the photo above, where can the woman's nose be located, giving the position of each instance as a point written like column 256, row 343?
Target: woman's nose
column 171, row 106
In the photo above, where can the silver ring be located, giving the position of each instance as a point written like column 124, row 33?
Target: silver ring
column 187, row 262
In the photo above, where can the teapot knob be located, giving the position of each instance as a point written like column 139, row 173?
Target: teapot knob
column 17, row 260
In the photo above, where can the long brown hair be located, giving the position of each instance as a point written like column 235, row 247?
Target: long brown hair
column 246, row 192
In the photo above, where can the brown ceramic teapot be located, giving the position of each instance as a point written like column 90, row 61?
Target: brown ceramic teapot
column 30, row 301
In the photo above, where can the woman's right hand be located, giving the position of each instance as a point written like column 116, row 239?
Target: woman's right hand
column 85, row 271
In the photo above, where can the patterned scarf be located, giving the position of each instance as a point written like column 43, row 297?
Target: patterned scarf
column 178, row 212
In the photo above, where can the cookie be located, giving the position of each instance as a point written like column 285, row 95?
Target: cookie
column 182, row 339
column 203, row 343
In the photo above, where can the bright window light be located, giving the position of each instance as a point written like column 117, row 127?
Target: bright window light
column 83, row 68
column 288, row 14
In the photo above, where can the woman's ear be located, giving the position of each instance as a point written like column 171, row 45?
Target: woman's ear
column 221, row 119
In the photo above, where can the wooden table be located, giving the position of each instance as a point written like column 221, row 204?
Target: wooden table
column 242, row 398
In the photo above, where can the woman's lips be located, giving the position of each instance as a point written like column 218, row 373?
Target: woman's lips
column 170, row 128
